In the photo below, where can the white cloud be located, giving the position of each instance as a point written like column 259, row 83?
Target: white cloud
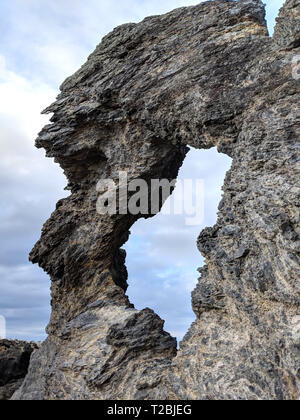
column 23, row 100
column 30, row 185
column 51, row 39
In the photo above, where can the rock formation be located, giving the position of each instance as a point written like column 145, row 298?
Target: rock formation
column 14, row 362
column 201, row 76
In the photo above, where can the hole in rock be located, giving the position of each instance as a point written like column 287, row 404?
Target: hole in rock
column 162, row 255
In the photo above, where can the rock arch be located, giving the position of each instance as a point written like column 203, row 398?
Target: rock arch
column 207, row 76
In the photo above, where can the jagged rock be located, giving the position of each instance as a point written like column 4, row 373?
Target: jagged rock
column 14, row 362
column 287, row 32
column 203, row 76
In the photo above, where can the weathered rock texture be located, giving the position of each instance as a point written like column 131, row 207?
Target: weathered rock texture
column 203, row 76
column 14, row 362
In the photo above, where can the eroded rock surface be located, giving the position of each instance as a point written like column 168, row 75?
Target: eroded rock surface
column 14, row 361
column 287, row 32
column 202, row 76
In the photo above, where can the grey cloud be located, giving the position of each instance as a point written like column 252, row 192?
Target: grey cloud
column 29, row 188
column 167, row 295
column 24, row 301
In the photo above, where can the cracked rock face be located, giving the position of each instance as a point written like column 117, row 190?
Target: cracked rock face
column 201, row 76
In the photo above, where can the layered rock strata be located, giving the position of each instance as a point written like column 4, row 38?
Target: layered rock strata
column 202, row 76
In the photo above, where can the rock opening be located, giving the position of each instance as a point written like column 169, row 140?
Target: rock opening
column 162, row 255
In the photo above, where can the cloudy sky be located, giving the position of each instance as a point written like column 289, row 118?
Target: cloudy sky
column 42, row 42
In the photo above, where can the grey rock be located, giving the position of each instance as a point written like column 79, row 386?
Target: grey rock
column 14, row 361
column 201, row 76
column 287, row 32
